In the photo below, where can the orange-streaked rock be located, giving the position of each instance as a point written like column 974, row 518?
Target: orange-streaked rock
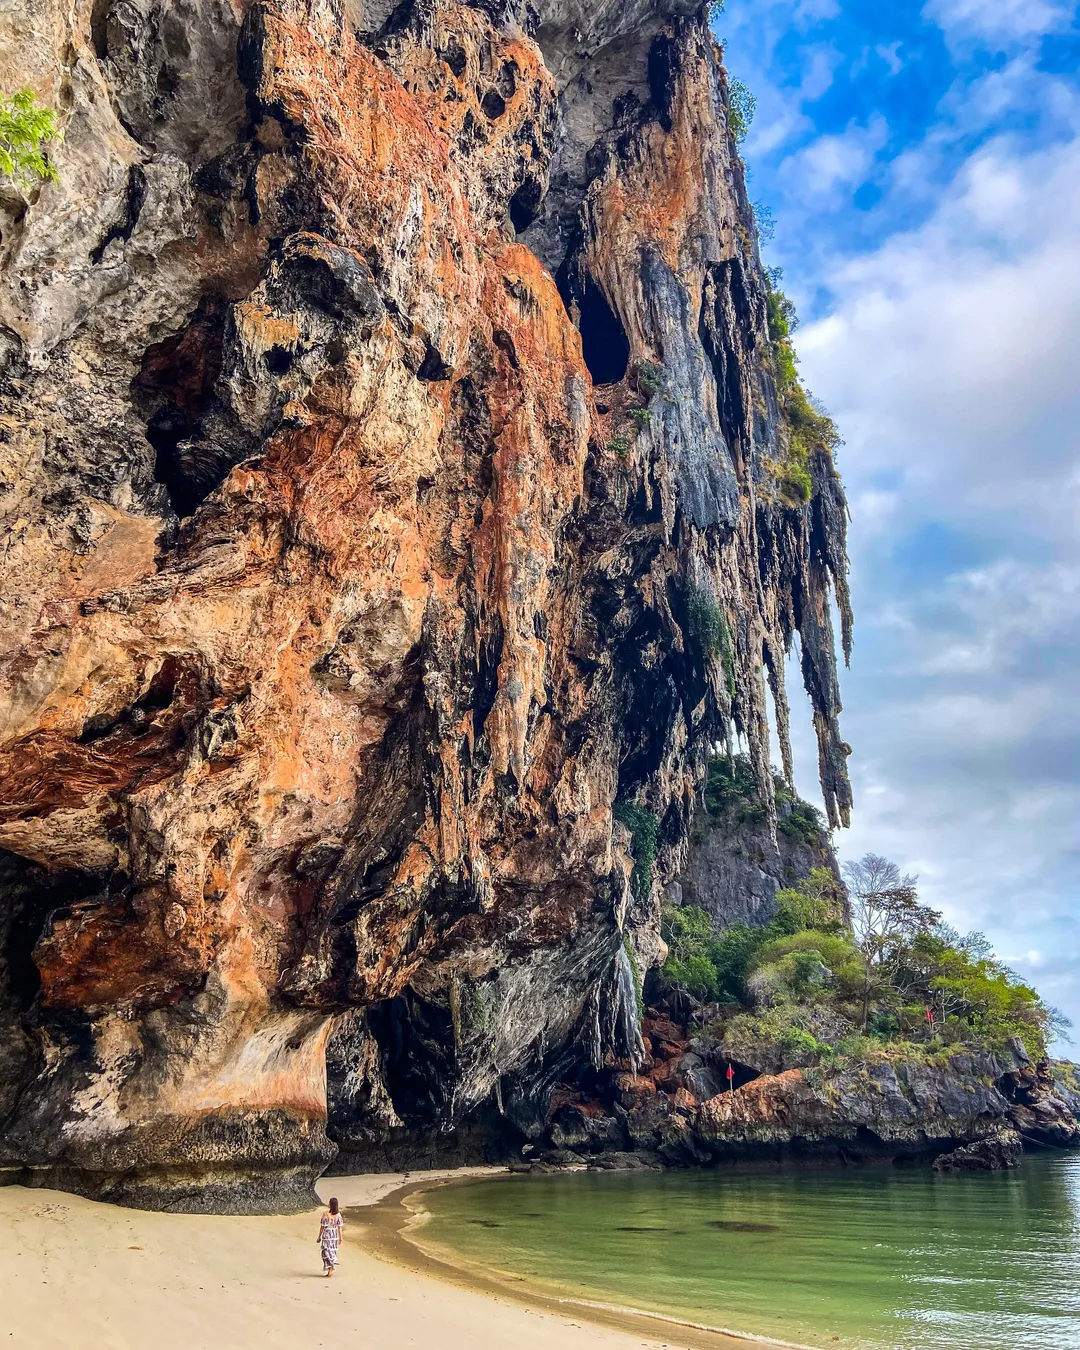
column 336, row 620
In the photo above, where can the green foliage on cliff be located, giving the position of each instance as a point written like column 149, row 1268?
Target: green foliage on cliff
column 796, row 818
column 809, row 427
column 1066, row 1075
column 649, row 378
column 692, row 944
column 470, row 1009
column 812, row 983
column 24, row 130
column 742, row 105
column 714, row 967
column 965, row 990
column 782, row 318
column 635, row 971
column 644, row 834
column 816, row 903
column 709, row 630
column 731, row 793
column 731, row 790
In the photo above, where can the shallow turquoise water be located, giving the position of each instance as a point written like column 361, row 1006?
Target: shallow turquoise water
column 902, row 1259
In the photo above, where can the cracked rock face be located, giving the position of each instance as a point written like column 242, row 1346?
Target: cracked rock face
column 382, row 390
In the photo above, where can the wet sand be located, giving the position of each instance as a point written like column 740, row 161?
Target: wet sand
column 87, row 1276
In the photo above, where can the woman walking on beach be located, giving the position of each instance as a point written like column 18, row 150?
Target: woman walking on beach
column 330, row 1237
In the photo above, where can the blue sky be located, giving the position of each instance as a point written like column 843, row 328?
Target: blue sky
column 921, row 165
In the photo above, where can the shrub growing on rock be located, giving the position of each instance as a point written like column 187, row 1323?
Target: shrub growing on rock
column 644, row 833
column 25, row 129
column 892, row 979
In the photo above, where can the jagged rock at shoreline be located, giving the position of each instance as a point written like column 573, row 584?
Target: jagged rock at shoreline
column 998, row 1151
column 389, row 445
column 897, row 1108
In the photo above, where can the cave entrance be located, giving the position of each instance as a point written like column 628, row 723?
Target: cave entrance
column 30, row 895
column 604, row 343
column 175, row 391
column 741, row 1074
column 525, row 204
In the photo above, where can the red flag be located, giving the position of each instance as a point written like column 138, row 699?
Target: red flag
column 930, row 1016
column 730, row 1078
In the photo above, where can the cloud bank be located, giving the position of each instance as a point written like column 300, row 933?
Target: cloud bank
column 927, row 208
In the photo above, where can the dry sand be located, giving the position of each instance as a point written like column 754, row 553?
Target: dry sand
column 87, row 1276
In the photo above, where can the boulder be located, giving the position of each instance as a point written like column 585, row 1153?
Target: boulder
column 997, row 1151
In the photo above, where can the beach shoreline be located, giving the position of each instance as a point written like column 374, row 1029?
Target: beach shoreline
column 395, row 1230
column 84, row 1275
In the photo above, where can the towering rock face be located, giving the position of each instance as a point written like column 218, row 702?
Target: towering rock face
column 736, row 863
column 389, row 492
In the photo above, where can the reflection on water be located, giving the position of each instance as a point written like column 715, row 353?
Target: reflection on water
column 881, row 1258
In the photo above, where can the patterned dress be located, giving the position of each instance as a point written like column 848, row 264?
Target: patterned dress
column 330, row 1239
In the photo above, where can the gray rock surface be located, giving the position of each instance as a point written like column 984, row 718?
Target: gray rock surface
column 734, row 869
column 998, row 1151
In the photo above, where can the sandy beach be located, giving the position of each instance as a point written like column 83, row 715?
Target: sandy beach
column 86, row 1276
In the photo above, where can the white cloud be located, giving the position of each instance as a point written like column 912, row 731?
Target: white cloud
column 949, row 360
column 947, row 352
column 890, row 54
column 971, row 320
column 997, row 20
column 822, row 61
column 813, row 11
column 834, row 164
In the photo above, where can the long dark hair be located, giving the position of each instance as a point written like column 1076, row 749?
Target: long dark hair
column 333, row 1204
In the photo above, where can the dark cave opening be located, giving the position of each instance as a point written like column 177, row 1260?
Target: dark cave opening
column 456, row 58
column 741, row 1074
column 99, row 29
column 175, row 391
column 29, row 894
column 493, row 105
column 663, row 69
column 433, row 368
column 525, row 204
column 165, row 431
column 603, row 339
column 124, row 226
column 488, row 657
column 278, row 360
column 508, row 79
column 416, row 1041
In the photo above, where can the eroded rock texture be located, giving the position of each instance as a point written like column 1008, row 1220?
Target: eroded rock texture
column 386, row 390
column 970, row 1110
column 735, row 868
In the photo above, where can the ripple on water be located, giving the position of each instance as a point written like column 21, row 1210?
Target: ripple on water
column 884, row 1259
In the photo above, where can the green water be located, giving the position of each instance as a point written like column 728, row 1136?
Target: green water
column 903, row 1259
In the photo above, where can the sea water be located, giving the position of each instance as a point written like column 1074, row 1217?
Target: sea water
column 881, row 1258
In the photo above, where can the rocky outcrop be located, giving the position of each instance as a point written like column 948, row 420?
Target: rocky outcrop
column 1041, row 1109
column 735, row 867
column 387, row 396
column 998, row 1151
column 889, row 1109
column 958, row 1110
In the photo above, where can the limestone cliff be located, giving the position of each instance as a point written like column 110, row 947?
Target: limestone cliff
column 738, row 860
column 388, row 449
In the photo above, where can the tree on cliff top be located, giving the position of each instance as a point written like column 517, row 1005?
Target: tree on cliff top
column 885, row 918
column 861, row 981
column 24, row 130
